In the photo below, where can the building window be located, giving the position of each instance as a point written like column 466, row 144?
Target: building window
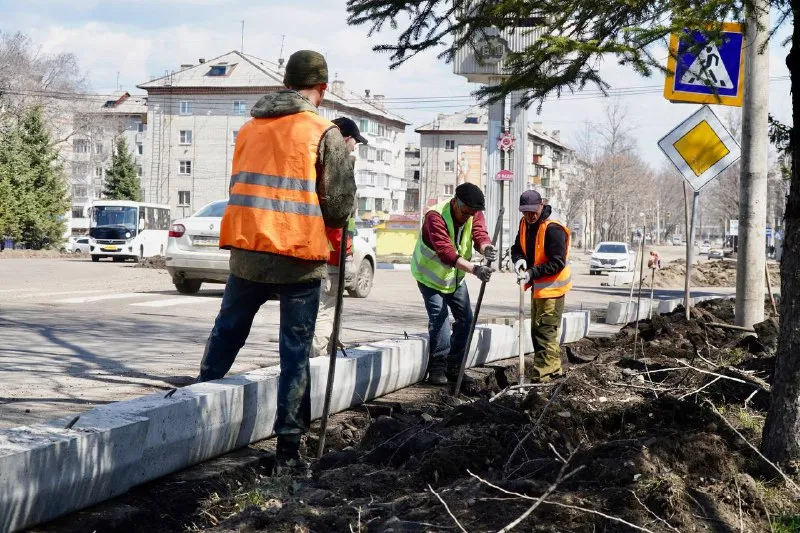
column 416, row 175
column 449, row 189
column 363, row 151
column 378, row 204
column 234, row 134
column 77, row 211
column 185, row 137
column 381, row 155
column 98, row 172
column 141, row 127
column 186, row 107
column 79, row 191
column 450, row 144
column 373, row 153
column 381, row 130
column 80, row 146
column 139, row 170
column 363, row 125
column 185, row 168
column 239, row 107
column 184, row 198
column 139, row 148
column 98, row 148
column 449, row 166
column 218, row 70
column 395, row 205
column 363, row 204
column 97, row 193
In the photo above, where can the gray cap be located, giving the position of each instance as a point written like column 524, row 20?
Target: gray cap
column 305, row 68
column 530, row 201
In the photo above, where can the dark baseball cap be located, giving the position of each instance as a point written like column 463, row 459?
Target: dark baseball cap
column 529, row 201
column 349, row 128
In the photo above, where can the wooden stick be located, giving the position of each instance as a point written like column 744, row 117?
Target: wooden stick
column 446, row 509
column 730, row 326
column 769, row 288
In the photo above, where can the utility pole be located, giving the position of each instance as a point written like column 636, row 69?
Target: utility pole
column 241, row 50
column 753, row 182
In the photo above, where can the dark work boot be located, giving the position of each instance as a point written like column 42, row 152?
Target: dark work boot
column 466, row 381
column 436, row 376
column 287, row 457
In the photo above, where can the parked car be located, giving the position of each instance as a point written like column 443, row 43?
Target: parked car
column 78, row 245
column 705, row 248
column 677, row 240
column 193, row 256
column 716, row 253
column 611, row 257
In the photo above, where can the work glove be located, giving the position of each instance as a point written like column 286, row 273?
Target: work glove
column 520, row 266
column 483, row 273
column 525, row 277
column 490, row 253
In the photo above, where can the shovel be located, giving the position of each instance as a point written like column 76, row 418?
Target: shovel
column 461, row 369
column 520, row 340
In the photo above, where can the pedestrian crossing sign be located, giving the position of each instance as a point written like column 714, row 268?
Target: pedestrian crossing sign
column 704, row 72
column 700, row 148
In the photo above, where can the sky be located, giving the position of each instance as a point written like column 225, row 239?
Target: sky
column 134, row 40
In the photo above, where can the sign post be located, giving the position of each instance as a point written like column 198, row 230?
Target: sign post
column 700, row 148
column 506, row 144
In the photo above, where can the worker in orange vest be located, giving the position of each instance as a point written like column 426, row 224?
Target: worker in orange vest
column 291, row 177
column 541, row 260
column 330, row 285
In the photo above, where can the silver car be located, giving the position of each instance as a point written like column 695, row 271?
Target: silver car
column 193, row 256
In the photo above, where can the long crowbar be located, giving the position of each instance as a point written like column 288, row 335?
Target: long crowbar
column 463, row 366
column 334, row 341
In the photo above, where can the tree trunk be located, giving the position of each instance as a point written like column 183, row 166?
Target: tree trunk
column 781, row 438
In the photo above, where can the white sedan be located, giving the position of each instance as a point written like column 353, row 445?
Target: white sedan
column 193, row 256
column 611, row 256
column 78, row 245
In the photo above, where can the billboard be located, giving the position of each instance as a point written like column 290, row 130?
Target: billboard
column 468, row 164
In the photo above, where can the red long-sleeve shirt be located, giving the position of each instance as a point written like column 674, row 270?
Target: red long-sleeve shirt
column 436, row 237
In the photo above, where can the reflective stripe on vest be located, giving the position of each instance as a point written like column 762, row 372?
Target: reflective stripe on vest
column 428, row 269
column 553, row 286
column 273, row 205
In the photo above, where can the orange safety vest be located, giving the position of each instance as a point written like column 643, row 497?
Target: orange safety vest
column 553, row 286
column 273, row 205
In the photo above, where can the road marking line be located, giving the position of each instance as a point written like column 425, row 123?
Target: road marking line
column 97, row 298
column 176, row 301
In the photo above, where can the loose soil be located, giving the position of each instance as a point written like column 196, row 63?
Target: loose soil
column 710, row 273
column 36, row 254
column 625, row 442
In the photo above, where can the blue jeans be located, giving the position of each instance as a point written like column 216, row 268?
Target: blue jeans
column 298, row 303
column 446, row 348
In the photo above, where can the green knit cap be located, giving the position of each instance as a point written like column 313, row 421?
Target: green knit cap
column 305, row 68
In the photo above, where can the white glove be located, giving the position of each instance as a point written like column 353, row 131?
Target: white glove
column 520, row 266
column 525, row 277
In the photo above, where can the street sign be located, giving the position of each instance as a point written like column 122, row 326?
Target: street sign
column 734, row 228
column 704, row 72
column 700, row 148
column 504, row 175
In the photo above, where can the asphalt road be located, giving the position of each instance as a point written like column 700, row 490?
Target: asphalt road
column 75, row 334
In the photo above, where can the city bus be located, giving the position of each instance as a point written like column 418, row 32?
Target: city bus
column 122, row 230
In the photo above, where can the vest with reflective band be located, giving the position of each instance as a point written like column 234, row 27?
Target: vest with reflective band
column 428, row 269
column 273, row 205
column 553, row 286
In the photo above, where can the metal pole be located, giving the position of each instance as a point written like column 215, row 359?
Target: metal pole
column 333, row 344
column 751, row 258
column 633, row 284
column 477, row 310
column 689, row 245
column 690, row 257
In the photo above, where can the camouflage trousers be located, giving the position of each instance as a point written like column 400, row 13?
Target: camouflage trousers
column 545, row 333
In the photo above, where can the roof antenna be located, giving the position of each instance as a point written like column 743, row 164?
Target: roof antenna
column 280, row 56
column 242, row 48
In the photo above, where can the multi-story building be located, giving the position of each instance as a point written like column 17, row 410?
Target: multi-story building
column 92, row 129
column 412, row 178
column 194, row 115
column 453, row 150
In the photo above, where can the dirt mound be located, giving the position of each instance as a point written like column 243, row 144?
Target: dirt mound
column 711, row 273
column 621, row 439
column 157, row 261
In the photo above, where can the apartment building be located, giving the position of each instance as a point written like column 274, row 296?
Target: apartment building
column 195, row 113
column 90, row 130
column 412, row 173
column 453, row 149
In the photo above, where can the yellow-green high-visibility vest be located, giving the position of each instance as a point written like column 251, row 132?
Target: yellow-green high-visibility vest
column 428, row 269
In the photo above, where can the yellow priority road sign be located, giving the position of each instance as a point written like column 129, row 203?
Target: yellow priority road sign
column 700, row 148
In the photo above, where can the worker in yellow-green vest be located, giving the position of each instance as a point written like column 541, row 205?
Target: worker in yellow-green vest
column 541, row 260
column 440, row 262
